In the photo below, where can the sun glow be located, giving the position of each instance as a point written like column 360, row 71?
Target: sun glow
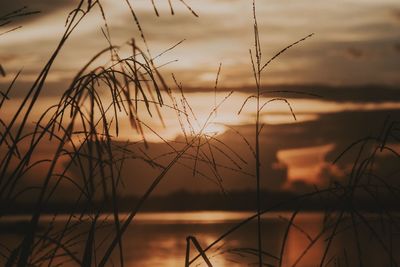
column 213, row 129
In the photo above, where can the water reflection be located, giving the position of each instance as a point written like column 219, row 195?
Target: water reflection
column 305, row 245
column 192, row 217
column 159, row 239
column 301, row 235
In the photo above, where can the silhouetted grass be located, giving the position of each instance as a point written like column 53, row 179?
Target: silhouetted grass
column 334, row 221
column 90, row 140
column 83, row 125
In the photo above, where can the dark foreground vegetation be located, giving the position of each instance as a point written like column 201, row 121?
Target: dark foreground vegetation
column 81, row 127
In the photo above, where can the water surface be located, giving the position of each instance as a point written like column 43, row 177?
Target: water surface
column 159, row 239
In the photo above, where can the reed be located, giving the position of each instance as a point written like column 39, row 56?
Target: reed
column 335, row 222
column 89, row 141
column 82, row 127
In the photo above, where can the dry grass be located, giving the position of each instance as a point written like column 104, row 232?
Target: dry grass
column 82, row 127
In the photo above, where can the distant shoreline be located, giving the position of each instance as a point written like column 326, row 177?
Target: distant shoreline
column 185, row 202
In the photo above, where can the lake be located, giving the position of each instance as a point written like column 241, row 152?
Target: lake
column 159, row 239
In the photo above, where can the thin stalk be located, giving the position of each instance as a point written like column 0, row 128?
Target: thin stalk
column 257, row 77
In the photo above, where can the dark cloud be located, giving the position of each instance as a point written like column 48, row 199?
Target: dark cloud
column 20, row 88
column 16, row 14
column 359, row 94
column 225, row 37
column 2, row 71
column 44, row 6
column 340, row 129
column 353, row 52
column 363, row 93
column 397, row 47
column 396, row 14
column 181, row 177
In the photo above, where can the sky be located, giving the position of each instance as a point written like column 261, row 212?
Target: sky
column 355, row 42
column 352, row 61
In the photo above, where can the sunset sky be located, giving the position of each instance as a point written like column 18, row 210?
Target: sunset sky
column 356, row 44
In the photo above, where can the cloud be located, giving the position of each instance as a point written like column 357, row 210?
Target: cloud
column 396, row 14
column 223, row 33
column 44, row 6
column 373, row 93
column 353, row 52
column 340, row 129
column 397, row 47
